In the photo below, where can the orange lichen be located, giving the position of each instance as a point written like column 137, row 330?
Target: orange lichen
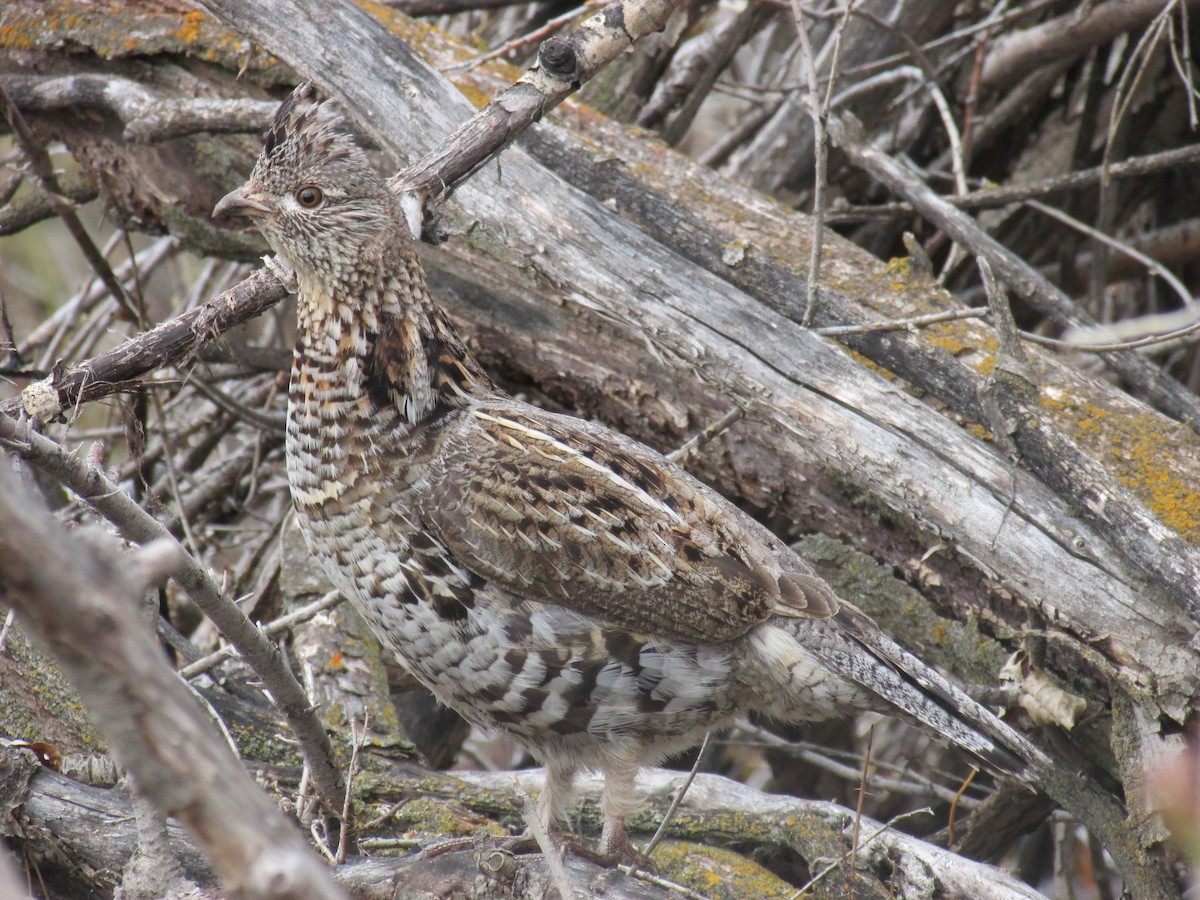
column 115, row 30
column 189, row 30
column 15, row 38
column 1130, row 445
column 955, row 341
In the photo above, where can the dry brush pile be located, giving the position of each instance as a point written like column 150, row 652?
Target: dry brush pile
column 711, row 231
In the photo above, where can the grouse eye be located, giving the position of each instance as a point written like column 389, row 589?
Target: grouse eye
column 309, row 197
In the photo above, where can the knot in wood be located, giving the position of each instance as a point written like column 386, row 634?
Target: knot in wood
column 557, row 56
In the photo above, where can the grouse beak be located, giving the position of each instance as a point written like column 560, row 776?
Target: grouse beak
column 242, row 203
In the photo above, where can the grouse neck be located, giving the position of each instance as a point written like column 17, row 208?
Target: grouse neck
column 378, row 337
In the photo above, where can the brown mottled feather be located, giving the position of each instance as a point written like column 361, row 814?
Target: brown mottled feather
column 556, row 512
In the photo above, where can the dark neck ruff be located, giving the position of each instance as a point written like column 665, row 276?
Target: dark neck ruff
column 380, row 347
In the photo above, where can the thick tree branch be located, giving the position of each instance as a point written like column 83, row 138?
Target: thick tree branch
column 138, row 526
column 146, row 115
column 82, row 601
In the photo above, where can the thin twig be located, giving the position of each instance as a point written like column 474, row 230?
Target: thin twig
column 173, row 477
column 1176, row 334
column 701, row 439
column 672, row 886
column 346, row 825
column 1183, row 61
column 949, row 315
column 661, row 831
column 1127, row 88
column 10, row 356
column 525, row 40
column 862, row 790
column 276, row 424
column 1153, row 265
column 825, row 759
column 954, row 806
column 993, row 197
column 53, row 326
column 819, row 112
column 957, row 163
column 272, row 628
column 215, row 717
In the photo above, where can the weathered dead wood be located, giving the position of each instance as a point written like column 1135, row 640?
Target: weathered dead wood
column 1116, row 513
column 71, row 825
column 714, row 804
column 836, row 279
column 605, row 289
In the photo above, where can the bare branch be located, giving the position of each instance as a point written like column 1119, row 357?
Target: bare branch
column 83, row 606
column 1065, row 38
column 136, row 525
column 170, row 343
column 39, row 162
column 1027, row 282
column 998, row 196
column 146, row 115
column 563, row 65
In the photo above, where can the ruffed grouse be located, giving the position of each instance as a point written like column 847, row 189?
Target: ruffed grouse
column 540, row 574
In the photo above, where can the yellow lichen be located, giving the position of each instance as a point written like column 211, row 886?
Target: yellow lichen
column 1131, row 446
column 189, row 29
column 717, row 873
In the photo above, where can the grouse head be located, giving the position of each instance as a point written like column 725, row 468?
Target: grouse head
column 314, row 194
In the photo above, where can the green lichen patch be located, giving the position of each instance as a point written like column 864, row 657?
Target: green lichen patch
column 717, row 873
column 42, row 709
column 903, row 612
column 439, row 817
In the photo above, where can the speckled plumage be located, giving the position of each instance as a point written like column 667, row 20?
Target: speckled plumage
column 540, row 574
